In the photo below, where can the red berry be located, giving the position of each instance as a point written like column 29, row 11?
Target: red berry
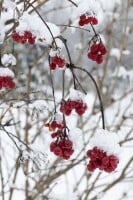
column 52, row 146
column 99, row 59
column 92, row 56
column 102, row 48
column 31, row 40
column 58, row 151
column 94, row 21
column 52, row 66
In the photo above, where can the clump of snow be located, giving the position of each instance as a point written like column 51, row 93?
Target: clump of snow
column 115, row 52
column 75, row 95
column 126, row 52
column 2, row 32
column 38, row 28
column 58, row 118
column 39, row 108
column 124, row 73
column 6, row 72
column 8, row 59
column 106, row 141
column 9, row 4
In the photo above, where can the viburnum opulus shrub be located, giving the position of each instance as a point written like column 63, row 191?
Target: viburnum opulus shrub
column 32, row 29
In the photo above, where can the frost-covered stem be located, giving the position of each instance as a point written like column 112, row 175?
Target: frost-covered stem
column 73, row 3
column 71, row 26
column 12, row 136
column 98, row 93
column 52, row 85
column 43, row 22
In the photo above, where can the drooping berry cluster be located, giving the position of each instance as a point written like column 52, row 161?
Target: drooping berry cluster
column 99, row 159
column 96, row 52
column 79, row 106
column 54, row 125
column 7, row 82
column 26, row 37
column 62, row 148
column 57, row 61
column 88, row 19
column 6, row 78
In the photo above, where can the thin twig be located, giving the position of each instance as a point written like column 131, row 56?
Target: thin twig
column 98, row 93
column 73, row 3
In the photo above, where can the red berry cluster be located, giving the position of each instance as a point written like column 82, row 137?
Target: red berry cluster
column 67, row 106
column 96, row 52
column 62, row 148
column 26, row 37
column 57, row 61
column 87, row 19
column 54, row 124
column 7, row 82
column 99, row 159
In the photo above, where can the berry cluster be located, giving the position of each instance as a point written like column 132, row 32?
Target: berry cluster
column 99, row 159
column 27, row 37
column 67, row 106
column 54, row 124
column 62, row 148
column 96, row 52
column 87, row 19
column 7, row 82
column 57, row 61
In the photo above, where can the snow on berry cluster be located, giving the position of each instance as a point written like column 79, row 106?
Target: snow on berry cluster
column 57, row 61
column 74, row 102
column 6, row 78
column 55, row 123
column 96, row 51
column 105, row 151
column 87, row 19
column 26, row 37
column 30, row 32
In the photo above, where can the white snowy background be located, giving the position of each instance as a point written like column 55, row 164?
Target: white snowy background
column 36, row 172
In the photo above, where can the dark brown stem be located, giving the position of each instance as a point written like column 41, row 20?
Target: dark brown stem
column 73, row 3
column 98, row 93
column 52, row 85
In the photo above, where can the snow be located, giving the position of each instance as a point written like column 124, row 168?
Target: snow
column 6, row 72
column 124, row 73
column 34, row 24
column 106, row 141
column 8, row 59
column 75, row 95
column 115, row 52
